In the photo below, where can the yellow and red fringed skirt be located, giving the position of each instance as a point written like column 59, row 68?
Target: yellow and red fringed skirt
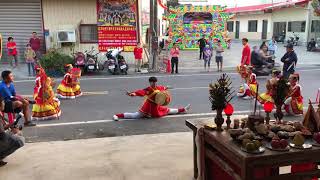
column 68, row 92
column 265, row 97
column 46, row 111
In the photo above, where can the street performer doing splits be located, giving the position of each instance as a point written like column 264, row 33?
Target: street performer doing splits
column 154, row 106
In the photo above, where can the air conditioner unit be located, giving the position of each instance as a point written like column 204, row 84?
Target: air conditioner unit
column 66, row 36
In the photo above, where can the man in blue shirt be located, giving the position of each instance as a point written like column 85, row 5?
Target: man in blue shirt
column 13, row 103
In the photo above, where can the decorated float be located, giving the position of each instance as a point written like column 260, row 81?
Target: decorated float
column 187, row 24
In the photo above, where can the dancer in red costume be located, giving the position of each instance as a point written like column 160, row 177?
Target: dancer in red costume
column 149, row 107
column 249, row 89
column 294, row 102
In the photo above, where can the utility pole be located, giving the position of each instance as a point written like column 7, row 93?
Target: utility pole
column 154, row 34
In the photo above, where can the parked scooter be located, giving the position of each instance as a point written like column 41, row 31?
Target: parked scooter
column 115, row 63
column 281, row 38
column 293, row 40
column 91, row 63
column 123, row 66
column 79, row 60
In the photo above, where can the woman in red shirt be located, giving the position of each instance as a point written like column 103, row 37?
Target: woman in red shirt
column 12, row 51
column 138, row 51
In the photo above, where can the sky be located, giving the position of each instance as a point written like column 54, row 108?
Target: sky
column 229, row 3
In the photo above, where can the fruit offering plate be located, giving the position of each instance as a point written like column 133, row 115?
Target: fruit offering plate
column 258, row 151
column 314, row 143
column 304, row 146
column 268, row 145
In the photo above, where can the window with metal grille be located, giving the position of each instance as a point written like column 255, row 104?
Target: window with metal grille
column 315, row 26
column 297, row 26
column 88, row 33
column 253, row 26
column 230, row 26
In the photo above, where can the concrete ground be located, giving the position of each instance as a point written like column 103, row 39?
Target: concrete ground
column 141, row 157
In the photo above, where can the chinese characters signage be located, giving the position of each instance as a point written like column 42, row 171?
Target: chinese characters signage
column 117, row 24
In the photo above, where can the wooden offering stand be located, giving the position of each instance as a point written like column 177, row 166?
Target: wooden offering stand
column 255, row 119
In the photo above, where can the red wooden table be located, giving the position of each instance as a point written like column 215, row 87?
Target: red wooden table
column 219, row 153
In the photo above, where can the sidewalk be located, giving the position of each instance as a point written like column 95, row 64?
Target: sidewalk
column 20, row 72
column 189, row 60
column 142, row 157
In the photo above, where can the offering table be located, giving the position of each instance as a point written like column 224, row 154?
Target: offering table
column 219, row 154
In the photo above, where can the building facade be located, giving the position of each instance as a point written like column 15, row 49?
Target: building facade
column 264, row 21
column 19, row 18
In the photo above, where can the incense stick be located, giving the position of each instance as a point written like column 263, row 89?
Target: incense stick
column 255, row 102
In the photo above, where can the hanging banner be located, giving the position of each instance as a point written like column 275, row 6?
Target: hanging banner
column 117, row 24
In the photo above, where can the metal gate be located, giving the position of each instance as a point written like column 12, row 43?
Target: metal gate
column 19, row 18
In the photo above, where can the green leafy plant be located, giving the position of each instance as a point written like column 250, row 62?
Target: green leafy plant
column 220, row 92
column 53, row 62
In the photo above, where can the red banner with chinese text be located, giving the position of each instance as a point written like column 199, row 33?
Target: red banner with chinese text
column 117, row 24
column 111, row 37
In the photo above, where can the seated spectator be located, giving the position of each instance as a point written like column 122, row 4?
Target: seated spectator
column 311, row 45
column 256, row 59
column 13, row 102
column 10, row 140
column 264, row 53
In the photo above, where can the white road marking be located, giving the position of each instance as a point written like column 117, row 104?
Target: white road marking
column 190, row 88
column 160, row 76
column 108, row 120
column 169, row 116
column 84, row 93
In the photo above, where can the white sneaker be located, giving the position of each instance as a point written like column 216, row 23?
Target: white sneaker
column 115, row 118
column 186, row 108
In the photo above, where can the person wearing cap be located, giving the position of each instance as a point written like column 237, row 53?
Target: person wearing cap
column 47, row 106
column 69, row 88
column 150, row 108
column 289, row 60
column 294, row 103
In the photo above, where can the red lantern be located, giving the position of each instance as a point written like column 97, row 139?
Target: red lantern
column 268, row 106
column 228, row 110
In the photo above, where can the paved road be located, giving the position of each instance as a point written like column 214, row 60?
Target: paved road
column 91, row 115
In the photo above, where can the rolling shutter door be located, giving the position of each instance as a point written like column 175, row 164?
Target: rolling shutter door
column 19, row 18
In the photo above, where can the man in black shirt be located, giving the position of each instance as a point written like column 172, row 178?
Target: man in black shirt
column 289, row 60
column 202, row 44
